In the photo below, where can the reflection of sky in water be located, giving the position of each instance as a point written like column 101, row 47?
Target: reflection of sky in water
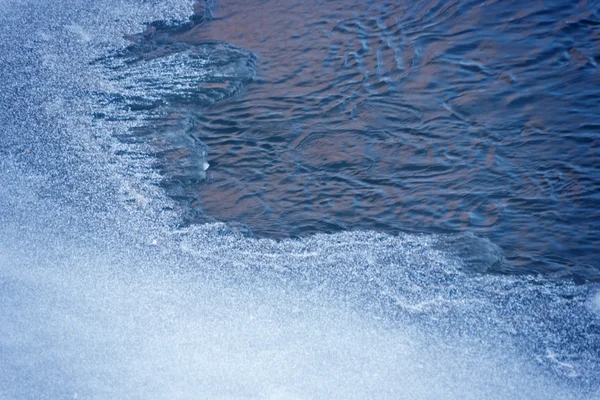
column 423, row 116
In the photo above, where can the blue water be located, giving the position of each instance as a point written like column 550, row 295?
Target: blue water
column 440, row 117
column 299, row 200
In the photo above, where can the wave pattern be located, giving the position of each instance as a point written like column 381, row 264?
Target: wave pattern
column 431, row 116
column 151, row 83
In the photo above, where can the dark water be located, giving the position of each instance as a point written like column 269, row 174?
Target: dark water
column 422, row 116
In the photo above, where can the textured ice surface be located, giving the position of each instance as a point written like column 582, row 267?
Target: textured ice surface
column 146, row 87
column 201, row 74
column 596, row 303
column 207, row 313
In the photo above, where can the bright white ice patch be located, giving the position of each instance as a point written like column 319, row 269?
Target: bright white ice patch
column 596, row 303
column 114, row 326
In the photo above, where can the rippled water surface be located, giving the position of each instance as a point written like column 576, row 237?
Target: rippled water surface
column 427, row 116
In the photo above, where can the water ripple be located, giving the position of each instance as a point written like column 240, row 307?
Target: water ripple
column 426, row 116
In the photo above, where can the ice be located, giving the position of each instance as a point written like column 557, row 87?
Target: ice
column 104, row 295
column 596, row 303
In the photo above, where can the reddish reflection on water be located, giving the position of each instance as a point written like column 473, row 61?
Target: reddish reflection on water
column 419, row 115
